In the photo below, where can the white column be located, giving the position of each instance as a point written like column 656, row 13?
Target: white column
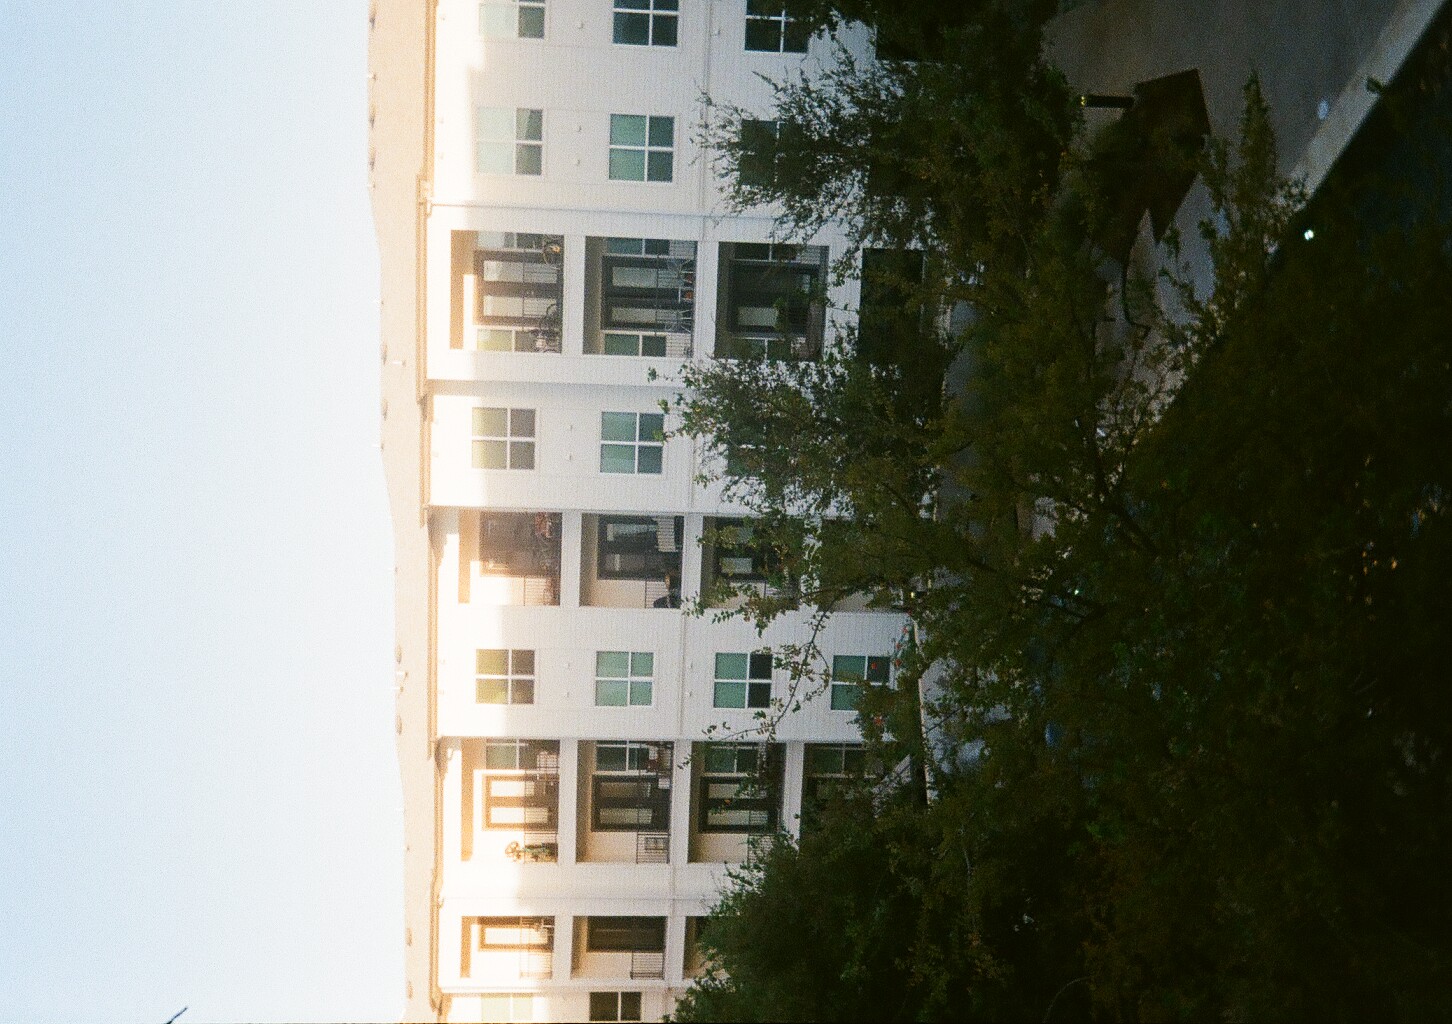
column 567, row 827
column 572, row 318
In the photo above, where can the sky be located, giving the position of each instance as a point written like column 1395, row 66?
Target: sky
column 199, row 802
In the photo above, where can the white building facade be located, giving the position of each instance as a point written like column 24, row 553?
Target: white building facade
column 554, row 246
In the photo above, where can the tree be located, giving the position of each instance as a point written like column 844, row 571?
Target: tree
column 1181, row 571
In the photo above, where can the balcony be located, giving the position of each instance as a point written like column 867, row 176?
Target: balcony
column 509, row 558
column 510, row 800
column 619, row 947
column 507, row 291
column 504, row 950
column 771, row 301
column 735, row 563
column 736, row 799
column 640, row 297
column 631, row 561
column 625, row 802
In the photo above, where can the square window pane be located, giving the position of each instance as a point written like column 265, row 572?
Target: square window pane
column 490, row 422
column 617, row 458
column 489, row 455
column 521, row 663
column 795, row 37
column 627, row 130
column 633, row 5
column 745, row 762
column 529, row 125
column 766, row 8
column 495, row 158
column 730, row 666
column 652, row 345
column 642, row 664
column 528, row 159
column 758, row 695
column 622, row 344
column 495, row 123
column 640, row 692
column 496, row 20
column 844, row 697
column 649, row 459
column 762, row 35
column 491, row 663
column 652, row 426
column 612, row 663
column 730, row 695
column 627, row 165
column 523, row 691
column 492, row 691
column 665, row 31
column 501, row 755
column 663, row 131
column 521, row 455
column 521, row 423
column 617, row 426
column 632, row 29
column 610, row 757
column 604, row 1006
column 531, row 22
column 761, row 665
column 877, row 670
column 610, row 693
column 720, row 760
column 848, row 667
column 625, row 246
column 660, row 166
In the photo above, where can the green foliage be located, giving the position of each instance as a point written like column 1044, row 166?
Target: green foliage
column 1178, row 564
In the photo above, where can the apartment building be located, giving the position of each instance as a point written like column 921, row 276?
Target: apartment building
column 554, row 246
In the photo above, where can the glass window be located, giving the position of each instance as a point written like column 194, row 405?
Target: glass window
column 733, row 797
column 504, row 676
column 624, row 678
column 521, row 19
column 771, row 29
column 625, row 934
column 614, row 1006
column 506, row 1007
column 510, row 140
column 621, row 757
column 632, row 442
column 503, row 438
column 518, row 288
column 850, row 672
column 770, row 301
column 642, row 148
column 743, row 680
column 646, row 22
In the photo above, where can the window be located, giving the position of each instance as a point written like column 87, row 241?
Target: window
column 849, row 672
column 642, row 148
column 770, row 302
column 624, row 678
column 522, row 19
column 735, row 553
column 510, row 140
column 630, row 790
column 613, row 1006
column 525, row 944
column 733, row 796
column 760, row 152
column 519, row 785
column 522, row 755
column 648, row 285
column 506, row 1007
column 771, row 29
column 515, row 932
column 504, row 677
column 625, row 934
column 827, row 767
column 646, row 22
column 743, row 680
column 631, row 442
column 518, row 291
column 504, row 438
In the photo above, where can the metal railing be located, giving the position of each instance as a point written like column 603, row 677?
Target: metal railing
column 644, row 964
column 652, row 848
column 541, row 590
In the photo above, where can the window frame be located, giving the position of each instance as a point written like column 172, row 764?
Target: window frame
column 657, row 15
column 517, row 682
column 640, row 446
column 620, row 1011
column 527, row 140
column 518, row 8
column 536, row 260
column 624, row 936
column 773, row 17
column 756, row 684
column 632, row 679
column 646, row 148
column 844, row 691
column 524, row 443
column 751, row 789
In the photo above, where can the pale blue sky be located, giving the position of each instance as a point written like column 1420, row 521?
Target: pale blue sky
column 199, row 803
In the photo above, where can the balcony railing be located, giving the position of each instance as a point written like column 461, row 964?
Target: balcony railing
column 536, row 963
column 652, row 848
column 645, row 964
column 535, row 848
